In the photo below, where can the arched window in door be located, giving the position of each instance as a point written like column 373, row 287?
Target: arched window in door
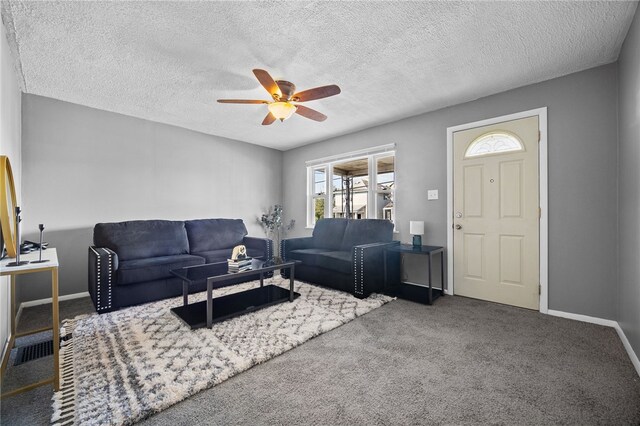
column 496, row 142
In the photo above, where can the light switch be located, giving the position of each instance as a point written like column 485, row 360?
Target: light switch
column 432, row 194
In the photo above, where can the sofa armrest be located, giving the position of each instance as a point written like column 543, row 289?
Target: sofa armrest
column 103, row 263
column 286, row 246
column 259, row 247
column 368, row 266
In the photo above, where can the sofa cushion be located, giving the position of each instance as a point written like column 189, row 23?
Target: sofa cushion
column 306, row 256
column 366, row 231
column 340, row 261
column 214, row 256
column 154, row 268
column 214, row 234
column 141, row 239
column 328, row 233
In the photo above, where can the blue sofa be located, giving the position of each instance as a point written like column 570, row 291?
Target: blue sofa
column 345, row 254
column 129, row 262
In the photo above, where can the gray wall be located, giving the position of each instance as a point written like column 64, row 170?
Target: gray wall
column 582, row 110
column 629, row 185
column 82, row 166
column 10, row 138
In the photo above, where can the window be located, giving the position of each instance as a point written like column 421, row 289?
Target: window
column 319, row 192
column 494, row 143
column 362, row 185
column 385, row 186
column 350, row 192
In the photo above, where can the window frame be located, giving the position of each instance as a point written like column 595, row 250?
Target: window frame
column 328, row 164
column 377, row 191
column 312, row 196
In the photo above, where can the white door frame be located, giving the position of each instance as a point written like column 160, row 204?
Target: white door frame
column 543, row 177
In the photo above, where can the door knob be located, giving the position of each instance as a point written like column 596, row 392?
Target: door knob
column 458, row 226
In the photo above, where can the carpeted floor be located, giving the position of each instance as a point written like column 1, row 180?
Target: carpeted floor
column 461, row 361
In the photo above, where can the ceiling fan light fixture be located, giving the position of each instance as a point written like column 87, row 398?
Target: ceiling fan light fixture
column 282, row 110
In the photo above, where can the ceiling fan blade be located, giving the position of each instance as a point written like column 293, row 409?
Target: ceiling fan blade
column 267, row 82
column 270, row 118
column 310, row 113
column 241, row 101
column 316, row 93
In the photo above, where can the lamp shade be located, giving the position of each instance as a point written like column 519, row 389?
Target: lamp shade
column 282, row 110
column 416, row 227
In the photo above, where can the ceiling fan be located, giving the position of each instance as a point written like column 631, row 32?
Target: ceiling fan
column 285, row 99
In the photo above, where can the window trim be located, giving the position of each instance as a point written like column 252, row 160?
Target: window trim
column 376, row 191
column 327, row 163
column 312, row 195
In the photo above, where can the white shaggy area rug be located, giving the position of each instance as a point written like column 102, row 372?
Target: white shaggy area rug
column 123, row 366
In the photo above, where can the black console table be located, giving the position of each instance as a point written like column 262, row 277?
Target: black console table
column 415, row 291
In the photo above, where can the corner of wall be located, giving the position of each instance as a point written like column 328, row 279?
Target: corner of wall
column 628, row 183
column 11, row 146
column 617, row 249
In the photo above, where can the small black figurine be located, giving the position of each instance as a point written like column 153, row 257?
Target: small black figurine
column 17, row 262
column 41, row 228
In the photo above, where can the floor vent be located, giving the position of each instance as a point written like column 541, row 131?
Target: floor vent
column 35, row 351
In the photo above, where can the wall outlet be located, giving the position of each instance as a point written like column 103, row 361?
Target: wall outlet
column 432, row 194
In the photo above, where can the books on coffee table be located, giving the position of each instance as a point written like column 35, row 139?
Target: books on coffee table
column 239, row 265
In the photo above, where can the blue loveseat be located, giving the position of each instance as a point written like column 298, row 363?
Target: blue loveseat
column 345, row 254
column 129, row 262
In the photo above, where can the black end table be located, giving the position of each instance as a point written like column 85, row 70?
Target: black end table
column 415, row 291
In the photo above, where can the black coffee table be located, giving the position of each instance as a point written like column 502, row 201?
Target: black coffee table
column 205, row 313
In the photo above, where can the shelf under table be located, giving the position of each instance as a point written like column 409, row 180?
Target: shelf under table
column 232, row 305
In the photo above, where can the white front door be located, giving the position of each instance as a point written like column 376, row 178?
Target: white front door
column 496, row 213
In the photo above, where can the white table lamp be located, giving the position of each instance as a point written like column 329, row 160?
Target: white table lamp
column 416, row 228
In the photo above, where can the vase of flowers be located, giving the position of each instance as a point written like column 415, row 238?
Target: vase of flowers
column 275, row 227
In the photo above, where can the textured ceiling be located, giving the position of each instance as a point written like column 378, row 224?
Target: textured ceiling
column 170, row 61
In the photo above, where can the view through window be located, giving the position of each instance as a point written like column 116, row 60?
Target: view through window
column 319, row 192
column 359, row 188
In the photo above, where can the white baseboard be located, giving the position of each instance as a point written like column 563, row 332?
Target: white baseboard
column 583, row 318
column 5, row 348
column 606, row 323
column 634, row 358
column 18, row 314
column 49, row 300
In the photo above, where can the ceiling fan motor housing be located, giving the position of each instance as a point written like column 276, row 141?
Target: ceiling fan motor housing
column 287, row 88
